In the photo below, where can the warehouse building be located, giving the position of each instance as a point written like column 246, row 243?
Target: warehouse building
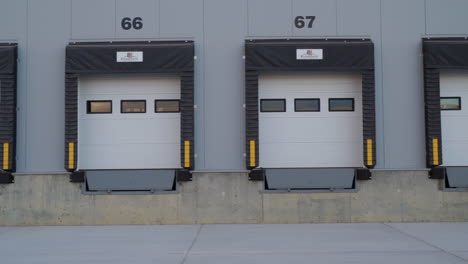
column 252, row 111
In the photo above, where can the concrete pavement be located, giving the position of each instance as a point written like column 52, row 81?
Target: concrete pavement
column 428, row 243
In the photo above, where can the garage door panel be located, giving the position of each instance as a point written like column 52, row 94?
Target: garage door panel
column 139, row 130
column 129, row 85
column 319, row 154
column 116, row 115
column 310, row 139
column 128, row 156
column 300, row 84
column 119, row 140
column 453, row 129
column 293, row 93
column 131, row 94
column 129, row 138
column 304, row 78
column 454, row 123
column 455, row 153
column 132, row 119
column 294, row 130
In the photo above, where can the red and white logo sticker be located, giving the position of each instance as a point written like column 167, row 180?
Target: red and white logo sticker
column 130, row 56
column 309, row 54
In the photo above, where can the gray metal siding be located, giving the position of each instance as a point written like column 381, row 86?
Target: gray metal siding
column 181, row 19
column 97, row 22
column 403, row 111
column 46, row 85
column 446, row 17
column 359, row 17
column 225, row 29
column 43, row 28
column 148, row 10
column 13, row 27
column 12, row 19
column 324, row 24
column 269, row 18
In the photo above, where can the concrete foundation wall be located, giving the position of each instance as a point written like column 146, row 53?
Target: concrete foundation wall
column 391, row 196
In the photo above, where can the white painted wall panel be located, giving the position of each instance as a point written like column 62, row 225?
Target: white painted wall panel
column 311, row 139
column 128, row 141
column 455, row 122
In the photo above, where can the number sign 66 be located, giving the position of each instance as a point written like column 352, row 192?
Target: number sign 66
column 127, row 23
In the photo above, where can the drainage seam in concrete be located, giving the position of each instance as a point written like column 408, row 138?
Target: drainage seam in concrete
column 425, row 242
column 302, row 252
column 191, row 245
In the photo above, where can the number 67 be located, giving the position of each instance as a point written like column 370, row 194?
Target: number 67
column 299, row 21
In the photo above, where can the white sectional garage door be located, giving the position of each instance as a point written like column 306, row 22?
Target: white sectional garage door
column 141, row 139
column 454, row 118
column 317, row 137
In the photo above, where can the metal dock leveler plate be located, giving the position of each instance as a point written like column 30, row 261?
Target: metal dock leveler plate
column 113, row 122
column 130, row 180
column 8, row 68
column 310, row 104
column 456, row 177
column 290, row 179
column 445, row 96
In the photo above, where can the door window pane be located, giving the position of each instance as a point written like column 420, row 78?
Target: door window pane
column 99, row 107
column 450, row 103
column 133, row 106
column 341, row 104
column 307, row 105
column 167, row 106
column 273, row 105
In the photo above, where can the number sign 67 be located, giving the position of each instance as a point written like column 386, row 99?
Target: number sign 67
column 300, row 23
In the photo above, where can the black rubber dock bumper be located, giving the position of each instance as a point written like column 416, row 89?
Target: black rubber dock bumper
column 6, row 177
